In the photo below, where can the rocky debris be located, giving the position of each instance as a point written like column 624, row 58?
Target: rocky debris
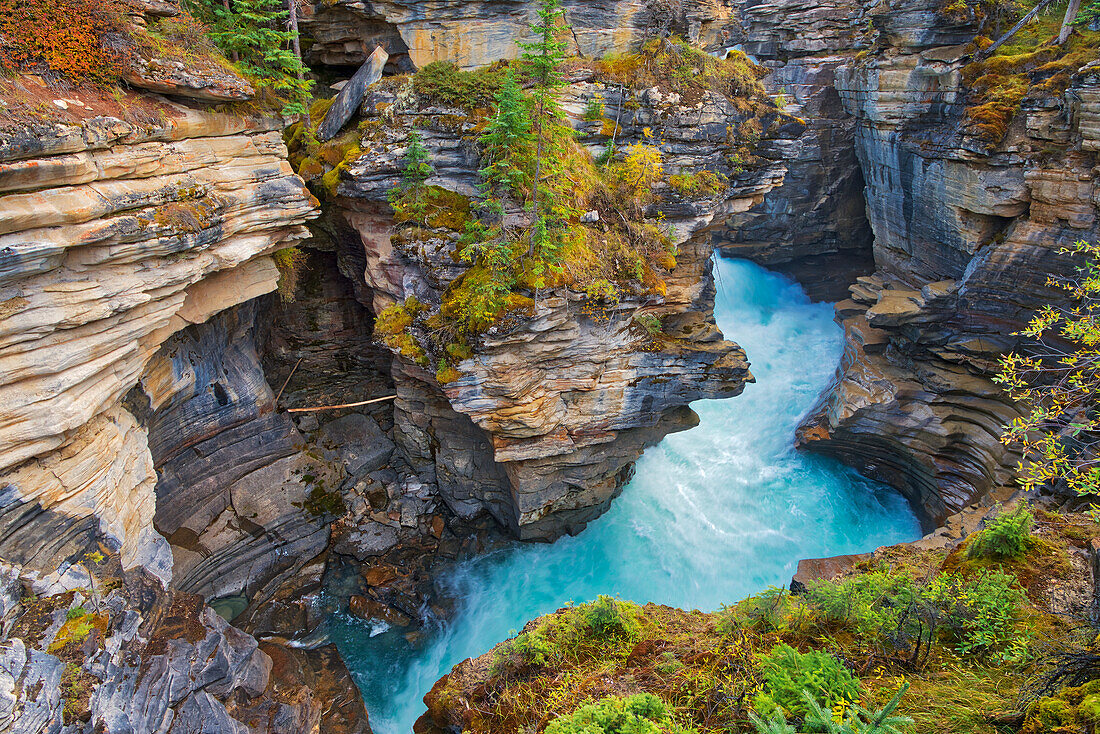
column 112, row 238
column 351, row 95
column 132, row 657
column 359, row 442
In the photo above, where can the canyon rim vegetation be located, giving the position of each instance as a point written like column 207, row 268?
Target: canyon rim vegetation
column 334, row 331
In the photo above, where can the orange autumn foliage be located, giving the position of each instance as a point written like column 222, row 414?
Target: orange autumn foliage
column 66, row 37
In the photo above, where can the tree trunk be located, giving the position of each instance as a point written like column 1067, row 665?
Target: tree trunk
column 1067, row 22
column 295, row 42
column 1012, row 31
column 229, row 9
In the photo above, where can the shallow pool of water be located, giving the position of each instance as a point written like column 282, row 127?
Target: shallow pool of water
column 713, row 514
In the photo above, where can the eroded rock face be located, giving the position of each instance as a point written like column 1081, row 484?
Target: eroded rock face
column 233, row 479
column 113, row 237
column 473, row 34
column 966, row 236
column 813, row 227
column 146, row 660
column 542, row 428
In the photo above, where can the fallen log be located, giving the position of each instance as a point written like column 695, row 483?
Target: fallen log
column 337, row 407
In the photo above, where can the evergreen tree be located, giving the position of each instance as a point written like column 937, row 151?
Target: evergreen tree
column 255, row 35
column 542, row 59
column 416, row 168
column 408, row 197
column 506, row 137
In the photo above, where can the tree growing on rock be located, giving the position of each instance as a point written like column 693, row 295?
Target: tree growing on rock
column 541, row 60
column 255, row 34
column 1057, row 386
column 408, row 197
column 507, row 139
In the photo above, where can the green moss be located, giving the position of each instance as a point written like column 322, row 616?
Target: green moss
column 434, row 207
column 674, row 65
column 323, row 503
column 442, row 82
column 289, row 261
column 1029, row 65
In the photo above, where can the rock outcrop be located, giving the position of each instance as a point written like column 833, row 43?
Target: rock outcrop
column 140, row 659
column 966, row 234
column 543, row 424
column 112, row 238
column 813, row 227
column 473, row 34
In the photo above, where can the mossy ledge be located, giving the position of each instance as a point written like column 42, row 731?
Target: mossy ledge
column 976, row 641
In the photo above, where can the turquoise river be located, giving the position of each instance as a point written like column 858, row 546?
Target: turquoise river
column 712, row 515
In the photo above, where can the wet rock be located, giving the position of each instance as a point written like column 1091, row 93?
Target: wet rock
column 365, row 608
column 379, row 575
column 368, row 539
column 824, row 569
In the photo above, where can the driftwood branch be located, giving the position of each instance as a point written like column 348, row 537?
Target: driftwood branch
column 287, row 380
column 337, row 407
column 1012, row 31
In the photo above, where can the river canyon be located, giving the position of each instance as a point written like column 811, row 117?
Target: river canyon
column 781, row 349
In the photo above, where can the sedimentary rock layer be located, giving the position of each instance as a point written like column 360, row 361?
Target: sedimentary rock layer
column 966, row 235
column 112, row 237
column 547, row 418
column 473, row 34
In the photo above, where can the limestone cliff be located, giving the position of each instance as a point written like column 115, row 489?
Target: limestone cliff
column 966, row 232
column 541, row 424
column 115, row 236
column 473, row 34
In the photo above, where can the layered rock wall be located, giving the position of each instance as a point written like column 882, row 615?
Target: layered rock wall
column 113, row 236
column 473, row 34
column 543, row 425
column 966, row 236
column 813, row 227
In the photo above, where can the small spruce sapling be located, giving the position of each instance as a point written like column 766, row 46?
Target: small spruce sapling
column 506, row 137
column 416, row 169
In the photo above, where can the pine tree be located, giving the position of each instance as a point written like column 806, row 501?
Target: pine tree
column 506, row 137
column 415, row 171
column 255, row 35
column 542, row 59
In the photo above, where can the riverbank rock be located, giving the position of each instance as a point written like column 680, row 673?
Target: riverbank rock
column 137, row 658
column 540, row 428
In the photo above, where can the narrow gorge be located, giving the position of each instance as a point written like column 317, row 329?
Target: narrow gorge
column 324, row 376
